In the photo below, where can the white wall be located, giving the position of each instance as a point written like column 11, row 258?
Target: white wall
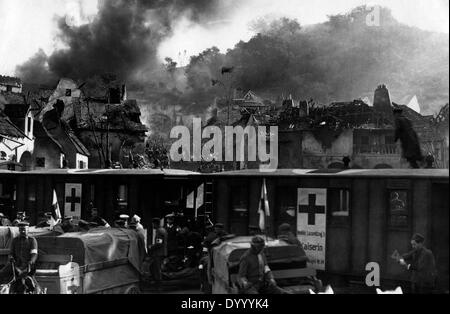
column 84, row 159
column 17, row 90
column 28, row 142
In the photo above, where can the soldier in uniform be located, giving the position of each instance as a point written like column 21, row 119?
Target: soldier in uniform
column 255, row 276
column 408, row 137
column 420, row 263
column 210, row 236
column 219, row 230
column 136, row 225
column 157, row 250
column 122, row 222
column 172, row 235
column 99, row 221
column 137, row 220
column 23, row 257
column 20, row 217
column 141, row 243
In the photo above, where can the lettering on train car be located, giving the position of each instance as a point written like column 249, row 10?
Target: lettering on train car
column 311, row 223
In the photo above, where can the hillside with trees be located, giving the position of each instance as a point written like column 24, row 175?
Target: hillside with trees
column 341, row 59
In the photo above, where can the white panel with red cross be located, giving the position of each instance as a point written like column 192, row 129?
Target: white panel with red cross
column 311, row 224
column 72, row 200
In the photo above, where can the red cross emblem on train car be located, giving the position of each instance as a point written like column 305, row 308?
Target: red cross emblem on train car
column 73, row 199
column 311, row 209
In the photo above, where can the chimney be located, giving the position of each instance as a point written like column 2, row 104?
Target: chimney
column 382, row 100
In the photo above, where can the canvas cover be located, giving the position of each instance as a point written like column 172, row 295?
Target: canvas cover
column 96, row 246
column 228, row 254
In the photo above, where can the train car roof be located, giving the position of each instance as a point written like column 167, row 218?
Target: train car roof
column 374, row 173
column 107, row 172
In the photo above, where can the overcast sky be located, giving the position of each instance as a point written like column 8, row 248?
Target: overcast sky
column 27, row 25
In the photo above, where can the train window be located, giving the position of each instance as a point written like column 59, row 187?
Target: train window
column 239, row 200
column 286, row 206
column 398, row 209
column 122, row 198
column 239, row 218
column 81, row 164
column 31, row 199
column 339, row 205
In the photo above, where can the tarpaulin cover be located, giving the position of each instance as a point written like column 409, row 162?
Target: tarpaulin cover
column 229, row 252
column 96, row 246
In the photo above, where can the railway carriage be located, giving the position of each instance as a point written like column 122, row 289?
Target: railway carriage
column 147, row 193
column 345, row 219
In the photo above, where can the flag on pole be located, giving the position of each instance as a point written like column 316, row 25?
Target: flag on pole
column 55, row 206
column 263, row 208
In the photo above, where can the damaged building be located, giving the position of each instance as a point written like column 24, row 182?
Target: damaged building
column 104, row 125
column 315, row 137
column 10, row 84
column 16, row 126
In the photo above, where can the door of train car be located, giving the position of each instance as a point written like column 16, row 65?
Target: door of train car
column 439, row 243
column 8, row 197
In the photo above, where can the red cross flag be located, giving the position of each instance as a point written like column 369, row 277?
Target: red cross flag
column 263, row 208
column 55, row 206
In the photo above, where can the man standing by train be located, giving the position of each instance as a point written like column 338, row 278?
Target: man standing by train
column 421, row 263
column 157, row 251
column 172, row 235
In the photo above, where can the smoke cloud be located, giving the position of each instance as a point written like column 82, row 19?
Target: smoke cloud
column 123, row 38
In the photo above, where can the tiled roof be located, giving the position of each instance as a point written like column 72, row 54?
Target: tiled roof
column 61, row 133
column 81, row 149
column 8, row 129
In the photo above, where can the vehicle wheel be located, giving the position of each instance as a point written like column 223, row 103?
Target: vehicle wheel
column 133, row 290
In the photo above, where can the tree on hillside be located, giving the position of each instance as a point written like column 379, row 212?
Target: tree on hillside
column 157, row 152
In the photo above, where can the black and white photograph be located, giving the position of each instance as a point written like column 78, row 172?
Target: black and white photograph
column 217, row 150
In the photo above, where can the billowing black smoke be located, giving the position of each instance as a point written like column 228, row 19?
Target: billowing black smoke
column 122, row 39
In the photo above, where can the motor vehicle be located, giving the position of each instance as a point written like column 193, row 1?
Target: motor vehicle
column 287, row 262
